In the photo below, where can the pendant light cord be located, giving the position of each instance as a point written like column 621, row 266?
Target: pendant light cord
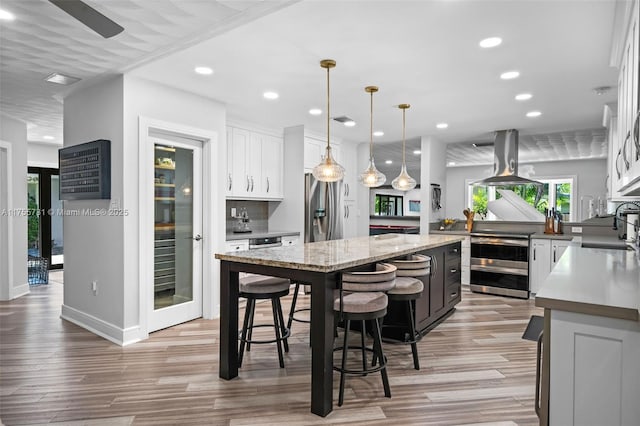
column 403, row 126
column 328, row 112
column 371, row 130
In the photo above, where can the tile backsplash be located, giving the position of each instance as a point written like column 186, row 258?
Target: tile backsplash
column 258, row 212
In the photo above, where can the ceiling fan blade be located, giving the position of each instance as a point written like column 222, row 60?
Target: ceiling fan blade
column 90, row 17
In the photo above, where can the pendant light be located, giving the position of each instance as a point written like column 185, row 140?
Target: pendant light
column 328, row 170
column 403, row 182
column 371, row 177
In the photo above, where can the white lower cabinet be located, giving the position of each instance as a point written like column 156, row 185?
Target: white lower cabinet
column 594, row 370
column 466, row 261
column 544, row 255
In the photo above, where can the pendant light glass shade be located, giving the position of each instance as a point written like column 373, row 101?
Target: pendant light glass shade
column 328, row 170
column 371, row 177
column 403, row 182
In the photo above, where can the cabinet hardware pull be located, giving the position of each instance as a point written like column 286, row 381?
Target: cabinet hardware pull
column 554, row 254
column 454, row 294
column 230, row 182
column 267, row 183
column 538, row 371
column 624, row 151
column 606, row 183
column 251, row 183
column 453, row 271
column 617, row 168
column 248, row 183
column 534, row 254
column 196, row 238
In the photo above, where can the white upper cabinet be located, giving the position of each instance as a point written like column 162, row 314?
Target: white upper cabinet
column 348, row 160
column 625, row 165
column 315, row 149
column 254, row 162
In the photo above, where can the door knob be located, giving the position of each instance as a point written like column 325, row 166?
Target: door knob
column 197, row 237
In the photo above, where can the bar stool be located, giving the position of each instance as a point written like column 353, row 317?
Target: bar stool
column 361, row 298
column 408, row 289
column 261, row 287
column 293, row 310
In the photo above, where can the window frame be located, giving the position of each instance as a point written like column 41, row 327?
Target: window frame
column 399, row 204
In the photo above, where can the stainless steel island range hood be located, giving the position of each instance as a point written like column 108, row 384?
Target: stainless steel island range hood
column 505, row 162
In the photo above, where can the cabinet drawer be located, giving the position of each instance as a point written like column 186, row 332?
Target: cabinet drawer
column 452, row 294
column 452, row 274
column 290, row 240
column 239, row 245
column 454, row 250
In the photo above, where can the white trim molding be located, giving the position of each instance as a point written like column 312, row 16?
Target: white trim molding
column 7, row 290
column 104, row 329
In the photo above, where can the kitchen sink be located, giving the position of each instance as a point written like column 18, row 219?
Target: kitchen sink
column 621, row 246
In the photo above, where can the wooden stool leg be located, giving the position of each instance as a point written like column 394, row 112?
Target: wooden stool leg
column 412, row 331
column 276, row 327
column 344, row 362
column 283, row 330
column 245, row 325
column 377, row 341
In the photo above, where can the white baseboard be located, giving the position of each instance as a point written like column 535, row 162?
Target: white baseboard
column 117, row 335
column 15, row 292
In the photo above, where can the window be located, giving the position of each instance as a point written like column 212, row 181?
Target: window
column 388, row 205
column 558, row 193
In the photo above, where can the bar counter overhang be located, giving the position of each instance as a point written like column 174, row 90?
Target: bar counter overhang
column 319, row 265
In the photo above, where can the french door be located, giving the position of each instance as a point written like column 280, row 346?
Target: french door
column 176, row 295
column 44, row 222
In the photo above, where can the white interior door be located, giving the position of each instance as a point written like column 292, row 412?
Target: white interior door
column 176, row 294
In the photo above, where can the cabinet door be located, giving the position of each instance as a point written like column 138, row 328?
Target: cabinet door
column 558, row 247
column 272, row 165
column 313, row 152
column 348, row 160
column 539, row 263
column 349, row 219
column 238, row 149
column 228, row 189
column 254, row 165
column 437, row 299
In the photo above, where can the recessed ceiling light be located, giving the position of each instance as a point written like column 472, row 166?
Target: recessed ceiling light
column 388, row 162
column 48, row 137
column 270, row 95
column 534, row 114
column 442, row 125
column 523, row 96
column 349, row 123
column 452, row 163
column 509, row 75
column 491, row 42
column 378, row 133
column 6, row 16
column 417, row 152
column 315, row 111
column 58, row 78
column 203, row 70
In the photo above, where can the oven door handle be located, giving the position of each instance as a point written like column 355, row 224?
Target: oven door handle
column 500, row 241
column 259, row 246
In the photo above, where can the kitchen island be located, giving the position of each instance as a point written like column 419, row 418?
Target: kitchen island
column 591, row 338
column 319, row 265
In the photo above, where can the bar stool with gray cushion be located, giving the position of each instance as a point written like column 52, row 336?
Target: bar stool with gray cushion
column 362, row 298
column 261, row 287
column 408, row 289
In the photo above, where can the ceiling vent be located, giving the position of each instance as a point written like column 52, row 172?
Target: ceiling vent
column 347, row 121
column 58, row 78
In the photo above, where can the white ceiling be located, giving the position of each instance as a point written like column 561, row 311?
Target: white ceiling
column 420, row 52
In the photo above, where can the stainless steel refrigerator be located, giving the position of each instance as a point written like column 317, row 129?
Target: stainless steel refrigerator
column 322, row 209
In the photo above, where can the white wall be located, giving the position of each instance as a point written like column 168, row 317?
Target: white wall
column 41, row 154
column 432, row 170
column 94, row 245
column 13, row 229
column 590, row 179
column 106, row 249
column 364, row 198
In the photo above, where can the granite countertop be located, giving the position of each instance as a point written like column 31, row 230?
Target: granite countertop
column 329, row 256
column 231, row 236
column 594, row 281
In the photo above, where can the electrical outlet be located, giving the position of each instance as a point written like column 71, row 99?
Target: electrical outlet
column 233, row 212
column 576, row 229
column 94, row 287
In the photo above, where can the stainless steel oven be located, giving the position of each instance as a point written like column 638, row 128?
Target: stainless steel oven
column 258, row 243
column 500, row 264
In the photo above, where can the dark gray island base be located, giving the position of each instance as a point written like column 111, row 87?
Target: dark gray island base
column 320, row 265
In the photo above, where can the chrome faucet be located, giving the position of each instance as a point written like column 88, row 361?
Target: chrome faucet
column 615, row 215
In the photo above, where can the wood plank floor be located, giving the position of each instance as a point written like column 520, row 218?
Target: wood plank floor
column 476, row 369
